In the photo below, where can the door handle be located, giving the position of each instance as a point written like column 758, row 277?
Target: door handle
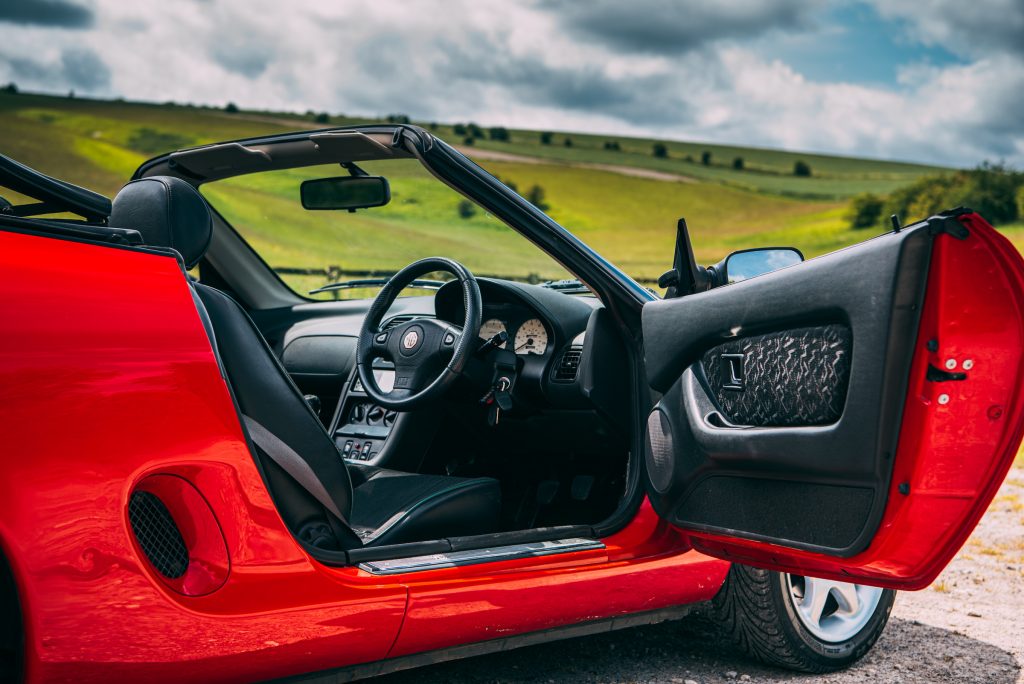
column 716, row 420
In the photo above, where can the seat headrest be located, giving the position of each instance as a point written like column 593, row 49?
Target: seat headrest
column 168, row 212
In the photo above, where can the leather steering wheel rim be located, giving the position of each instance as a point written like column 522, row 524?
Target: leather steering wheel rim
column 374, row 343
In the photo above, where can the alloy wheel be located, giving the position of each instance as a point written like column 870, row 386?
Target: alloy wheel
column 832, row 611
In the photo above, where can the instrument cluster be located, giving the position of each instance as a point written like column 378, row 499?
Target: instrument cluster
column 528, row 336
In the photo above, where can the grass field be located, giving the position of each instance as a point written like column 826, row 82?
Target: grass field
column 629, row 219
column 766, row 171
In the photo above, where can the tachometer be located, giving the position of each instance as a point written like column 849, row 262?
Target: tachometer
column 531, row 338
column 490, row 328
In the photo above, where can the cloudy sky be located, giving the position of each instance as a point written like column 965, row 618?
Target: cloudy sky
column 926, row 80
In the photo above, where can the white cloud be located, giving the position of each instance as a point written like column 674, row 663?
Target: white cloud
column 521, row 64
column 979, row 27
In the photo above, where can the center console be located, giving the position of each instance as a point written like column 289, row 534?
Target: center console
column 361, row 427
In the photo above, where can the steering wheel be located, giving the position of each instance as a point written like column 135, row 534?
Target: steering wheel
column 428, row 354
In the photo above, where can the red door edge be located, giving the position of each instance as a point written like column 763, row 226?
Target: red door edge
column 958, row 438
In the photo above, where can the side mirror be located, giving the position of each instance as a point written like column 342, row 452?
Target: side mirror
column 345, row 192
column 748, row 263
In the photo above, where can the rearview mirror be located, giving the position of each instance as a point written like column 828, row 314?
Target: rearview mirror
column 748, row 263
column 345, row 192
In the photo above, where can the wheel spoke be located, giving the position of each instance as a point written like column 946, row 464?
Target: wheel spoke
column 815, row 597
column 847, row 597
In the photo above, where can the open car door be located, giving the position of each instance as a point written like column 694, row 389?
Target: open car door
column 850, row 417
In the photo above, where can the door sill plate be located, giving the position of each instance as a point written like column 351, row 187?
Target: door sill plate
column 454, row 559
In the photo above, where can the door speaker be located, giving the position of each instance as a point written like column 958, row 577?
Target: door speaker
column 660, row 454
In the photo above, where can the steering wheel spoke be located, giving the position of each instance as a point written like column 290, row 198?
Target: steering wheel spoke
column 379, row 345
column 428, row 353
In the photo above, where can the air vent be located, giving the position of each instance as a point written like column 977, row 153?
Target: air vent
column 396, row 321
column 157, row 534
column 569, row 364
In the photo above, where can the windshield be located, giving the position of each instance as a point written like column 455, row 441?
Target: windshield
column 314, row 249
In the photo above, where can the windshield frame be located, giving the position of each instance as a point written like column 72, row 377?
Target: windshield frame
column 447, row 164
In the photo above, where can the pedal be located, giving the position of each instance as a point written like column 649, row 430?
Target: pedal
column 581, row 486
column 546, row 492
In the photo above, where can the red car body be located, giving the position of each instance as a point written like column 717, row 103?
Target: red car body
column 110, row 386
column 106, row 363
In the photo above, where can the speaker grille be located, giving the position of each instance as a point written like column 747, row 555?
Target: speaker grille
column 157, row 534
column 660, row 450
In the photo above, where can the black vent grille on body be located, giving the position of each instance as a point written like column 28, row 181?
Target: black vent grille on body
column 157, row 534
column 569, row 364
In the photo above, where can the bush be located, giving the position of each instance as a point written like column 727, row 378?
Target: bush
column 475, row 130
column 990, row 189
column 459, row 129
column 612, row 145
column 466, row 209
column 499, row 133
column 468, row 140
column 802, row 169
column 231, row 108
column 10, row 88
column 1020, row 202
column 322, row 118
column 398, row 118
column 865, row 210
column 660, row 151
column 545, row 138
column 737, row 163
column 152, row 141
column 535, row 195
column 510, row 184
column 705, row 158
column 567, row 142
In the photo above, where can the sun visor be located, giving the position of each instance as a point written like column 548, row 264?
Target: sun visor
column 218, row 160
column 346, row 146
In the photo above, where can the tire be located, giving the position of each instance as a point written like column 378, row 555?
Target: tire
column 768, row 615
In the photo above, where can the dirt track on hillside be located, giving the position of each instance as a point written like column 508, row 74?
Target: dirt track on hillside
column 967, row 627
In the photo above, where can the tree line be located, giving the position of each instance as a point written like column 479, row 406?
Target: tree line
column 993, row 190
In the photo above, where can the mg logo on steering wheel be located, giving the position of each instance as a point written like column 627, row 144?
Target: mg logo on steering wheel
column 410, row 339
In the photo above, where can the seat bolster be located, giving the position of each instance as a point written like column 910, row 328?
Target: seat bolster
column 391, row 507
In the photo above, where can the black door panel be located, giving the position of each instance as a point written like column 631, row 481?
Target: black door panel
column 783, row 396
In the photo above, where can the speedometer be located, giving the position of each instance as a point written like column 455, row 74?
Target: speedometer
column 531, row 338
column 490, row 328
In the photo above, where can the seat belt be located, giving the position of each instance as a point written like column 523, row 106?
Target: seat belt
column 293, row 464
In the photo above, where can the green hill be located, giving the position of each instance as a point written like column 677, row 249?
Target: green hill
column 624, row 201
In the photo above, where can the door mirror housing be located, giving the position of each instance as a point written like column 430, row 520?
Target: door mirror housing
column 748, row 263
column 345, row 192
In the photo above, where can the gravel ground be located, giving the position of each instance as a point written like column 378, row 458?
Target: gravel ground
column 966, row 627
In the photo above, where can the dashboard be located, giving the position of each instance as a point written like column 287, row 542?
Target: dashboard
column 316, row 341
column 538, row 321
column 560, row 344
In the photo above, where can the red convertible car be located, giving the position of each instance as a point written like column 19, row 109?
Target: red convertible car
column 210, row 475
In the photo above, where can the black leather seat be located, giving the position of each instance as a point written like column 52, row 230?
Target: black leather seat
column 371, row 506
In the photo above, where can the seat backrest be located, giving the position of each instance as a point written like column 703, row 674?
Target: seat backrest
column 265, row 392
column 171, row 213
